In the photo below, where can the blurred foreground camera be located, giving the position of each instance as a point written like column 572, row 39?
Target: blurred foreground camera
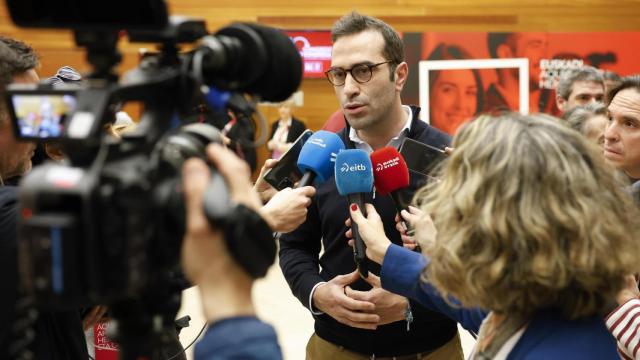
column 107, row 226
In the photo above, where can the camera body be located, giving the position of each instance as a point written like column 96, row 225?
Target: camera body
column 107, row 226
column 112, row 230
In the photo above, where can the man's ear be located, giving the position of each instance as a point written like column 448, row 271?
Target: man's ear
column 504, row 51
column 561, row 103
column 401, row 75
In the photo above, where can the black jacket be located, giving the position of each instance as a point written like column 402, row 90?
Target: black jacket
column 242, row 136
column 59, row 334
column 299, row 251
column 297, row 128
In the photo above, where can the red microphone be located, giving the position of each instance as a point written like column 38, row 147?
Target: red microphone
column 391, row 174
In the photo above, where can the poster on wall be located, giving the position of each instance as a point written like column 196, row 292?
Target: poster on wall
column 548, row 55
column 315, row 50
column 452, row 91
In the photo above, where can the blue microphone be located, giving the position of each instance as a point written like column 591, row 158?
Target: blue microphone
column 354, row 179
column 317, row 156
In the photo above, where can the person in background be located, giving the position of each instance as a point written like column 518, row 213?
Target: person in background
column 238, row 135
column 580, row 86
column 590, row 120
column 624, row 321
column 611, row 79
column 455, row 96
column 517, row 247
column 622, row 136
column 284, row 131
column 503, row 94
column 622, row 150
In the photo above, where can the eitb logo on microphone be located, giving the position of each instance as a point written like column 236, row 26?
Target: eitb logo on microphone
column 354, row 167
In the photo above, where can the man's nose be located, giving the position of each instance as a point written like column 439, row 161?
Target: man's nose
column 611, row 133
column 351, row 86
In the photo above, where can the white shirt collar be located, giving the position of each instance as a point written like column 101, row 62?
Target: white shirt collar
column 287, row 124
column 394, row 142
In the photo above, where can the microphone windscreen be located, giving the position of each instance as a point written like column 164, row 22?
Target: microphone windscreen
column 318, row 152
column 284, row 66
column 258, row 60
column 353, row 172
column 390, row 171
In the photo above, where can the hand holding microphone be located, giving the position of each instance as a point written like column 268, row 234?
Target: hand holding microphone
column 354, row 179
column 391, row 175
column 408, row 219
column 371, row 231
column 316, row 161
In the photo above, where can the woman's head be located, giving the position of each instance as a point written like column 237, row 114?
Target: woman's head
column 285, row 110
column 455, row 96
column 590, row 120
column 529, row 217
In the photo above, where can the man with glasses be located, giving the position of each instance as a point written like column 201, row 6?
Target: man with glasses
column 356, row 318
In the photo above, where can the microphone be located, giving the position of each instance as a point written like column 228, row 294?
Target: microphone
column 391, row 175
column 317, row 156
column 354, row 179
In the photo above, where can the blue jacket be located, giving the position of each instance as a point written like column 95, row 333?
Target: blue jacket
column 548, row 335
column 245, row 338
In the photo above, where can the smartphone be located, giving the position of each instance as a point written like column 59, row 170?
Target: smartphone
column 421, row 158
column 286, row 172
column 41, row 115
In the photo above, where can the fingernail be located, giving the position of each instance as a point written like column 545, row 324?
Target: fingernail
column 354, row 207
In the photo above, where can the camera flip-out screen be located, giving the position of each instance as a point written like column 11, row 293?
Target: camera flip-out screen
column 41, row 116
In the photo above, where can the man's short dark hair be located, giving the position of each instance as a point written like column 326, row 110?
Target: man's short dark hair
column 355, row 23
column 568, row 78
column 495, row 39
column 610, row 75
column 627, row 82
column 15, row 57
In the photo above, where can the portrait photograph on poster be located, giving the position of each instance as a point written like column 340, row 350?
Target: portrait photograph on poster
column 452, row 92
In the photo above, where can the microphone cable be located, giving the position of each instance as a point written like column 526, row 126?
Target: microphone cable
column 191, row 344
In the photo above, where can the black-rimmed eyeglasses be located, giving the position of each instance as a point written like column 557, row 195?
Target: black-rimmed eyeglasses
column 361, row 73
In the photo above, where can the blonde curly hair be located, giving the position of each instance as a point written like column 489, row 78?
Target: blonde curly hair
column 529, row 217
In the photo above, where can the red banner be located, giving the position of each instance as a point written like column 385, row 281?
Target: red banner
column 315, row 49
column 548, row 54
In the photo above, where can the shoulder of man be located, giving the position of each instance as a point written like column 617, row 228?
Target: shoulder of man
column 8, row 212
column 426, row 133
column 8, row 199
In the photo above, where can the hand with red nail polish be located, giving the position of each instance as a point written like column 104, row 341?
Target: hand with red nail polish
column 371, row 230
